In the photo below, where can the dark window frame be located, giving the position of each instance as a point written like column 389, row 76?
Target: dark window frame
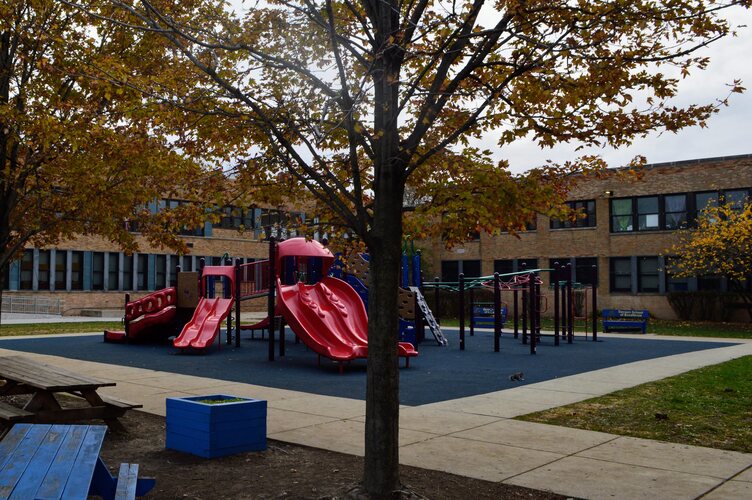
column 587, row 207
column 642, row 274
column 613, row 275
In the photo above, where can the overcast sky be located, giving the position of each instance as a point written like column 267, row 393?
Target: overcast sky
column 728, row 132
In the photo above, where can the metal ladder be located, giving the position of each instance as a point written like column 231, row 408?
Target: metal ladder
column 433, row 325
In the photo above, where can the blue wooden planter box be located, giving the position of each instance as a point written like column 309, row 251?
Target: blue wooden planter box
column 215, row 430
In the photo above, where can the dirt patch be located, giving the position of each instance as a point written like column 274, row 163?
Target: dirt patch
column 282, row 471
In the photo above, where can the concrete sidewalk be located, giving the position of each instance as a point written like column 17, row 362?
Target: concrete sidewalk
column 475, row 436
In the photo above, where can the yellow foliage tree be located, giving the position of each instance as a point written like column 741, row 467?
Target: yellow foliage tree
column 719, row 245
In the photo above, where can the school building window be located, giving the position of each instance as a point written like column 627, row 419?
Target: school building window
column 647, row 274
column 451, row 269
column 620, row 274
column 621, row 215
column 586, row 215
column 61, row 267
column 27, row 271
column 673, row 283
column 128, row 272
column 160, row 272
column 142, row 271
column 504, row 266
column 669, row 211
column 97, row 271
column 582, row 267
column 44, row 270
column 113, row 270
column 77, row 270
column 675, row 211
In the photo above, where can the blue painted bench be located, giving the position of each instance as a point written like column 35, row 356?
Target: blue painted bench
column 483, row 316
column 625, row 319
column 62, row 461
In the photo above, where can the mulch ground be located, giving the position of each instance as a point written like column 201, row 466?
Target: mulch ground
column 282, row 471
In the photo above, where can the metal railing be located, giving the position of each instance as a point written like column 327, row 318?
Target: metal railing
column 31, row 305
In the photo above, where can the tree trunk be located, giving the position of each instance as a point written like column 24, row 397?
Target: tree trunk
column 381, row 469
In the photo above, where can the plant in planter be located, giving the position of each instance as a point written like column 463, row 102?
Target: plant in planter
column 216, row 425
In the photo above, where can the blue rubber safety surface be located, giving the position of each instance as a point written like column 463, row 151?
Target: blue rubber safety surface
column 437, row 374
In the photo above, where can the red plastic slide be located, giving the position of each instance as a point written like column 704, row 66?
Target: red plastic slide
column 330, row 318
column 203, row 327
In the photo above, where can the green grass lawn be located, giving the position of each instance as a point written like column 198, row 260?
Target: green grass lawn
column 58, row 328
column 706, row 407
column 657, row 327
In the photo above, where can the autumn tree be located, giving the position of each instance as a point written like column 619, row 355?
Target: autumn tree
column 357, row 100
column 80, row 150
column 719, row 245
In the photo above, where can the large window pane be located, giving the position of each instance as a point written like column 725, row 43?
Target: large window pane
column 504, row 266
column 736, row 198
column 450, row 270
column 676, row 211
column 647, row 213
column 523, row 264
column 584, row 269
column 113, row 270
column 27, row 270
column 61, row 262
column 647, row 268
column 77, row 270
column 128, row 272
column 621, row 274
column 674, row 284
column 471, row 268
column 160, row 274
column 586, row 217
column 621, row 215
column 97, row 271
column 44, row 270
column 142, row 272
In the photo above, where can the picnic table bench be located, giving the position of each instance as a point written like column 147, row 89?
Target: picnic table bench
column 62, row 461
column 625, row 319
column 45, row 383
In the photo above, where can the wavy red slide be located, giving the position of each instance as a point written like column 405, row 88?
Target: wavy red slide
column 330, row 318
column 203, row 327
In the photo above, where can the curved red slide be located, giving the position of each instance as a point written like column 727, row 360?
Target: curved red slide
column 330, row 318
column 203, row 327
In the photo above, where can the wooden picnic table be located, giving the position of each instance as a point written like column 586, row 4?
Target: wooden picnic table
column 45, row 383
column 62, row 461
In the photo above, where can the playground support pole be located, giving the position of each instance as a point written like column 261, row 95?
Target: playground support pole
column 462, row 312
column 201, row 265
column 555, row 276
column 538, row 308
column 125, row 323
column 472, row 312
column 595, row 303
column 516, row 314
column 281, row 337
column 237, row 302
column 436, row 300
column 270, row 301
column 532, row 299
column 563, row 302
column 524, row 316
column 570, row 305
column 497, row 312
